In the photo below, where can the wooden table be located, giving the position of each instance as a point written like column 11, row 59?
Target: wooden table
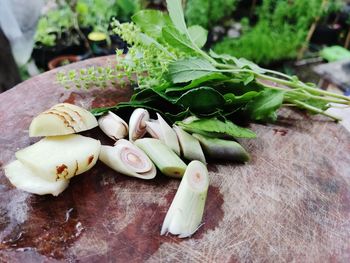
column 290, row 203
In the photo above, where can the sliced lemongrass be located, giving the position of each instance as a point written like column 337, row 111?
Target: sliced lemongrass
column 168, row 135
column 190, row 146
column 186, row 210
column 137, row 124
column 222, row 149
column 113, row 126
column 153, row 128
column 24, row 178
column 163, row 157
column 190, row 119
column 126, row 158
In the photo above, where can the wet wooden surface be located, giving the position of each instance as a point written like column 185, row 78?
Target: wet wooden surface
column 290, row 203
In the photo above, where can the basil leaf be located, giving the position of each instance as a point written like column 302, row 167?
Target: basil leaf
column 177, row 40
column 215, row 127
column 189, row 69
column 197, row 82
column 151, row 22
column 177, row 15
column 201, row 100
column 264, row 106
column 240, row 63
column 198, row 34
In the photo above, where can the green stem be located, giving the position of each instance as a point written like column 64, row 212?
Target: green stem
column 306, row 95
column 314, row 109
column 289, row 83
column 302, row 86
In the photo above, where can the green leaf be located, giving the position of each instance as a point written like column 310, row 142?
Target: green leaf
column 197, row 82
column 223, row 57
column 240, row 63
column 177, row 15
column 147, row 40
column 198, row 34
column 151, row 22
column 215, row 127
column 189, row 69
column 177, row 40
column 232, row 99
column 201, row 100
column 244, row 63
column 264, row 106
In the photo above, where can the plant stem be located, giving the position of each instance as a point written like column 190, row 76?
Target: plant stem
column 314, row 109
column 302, row 86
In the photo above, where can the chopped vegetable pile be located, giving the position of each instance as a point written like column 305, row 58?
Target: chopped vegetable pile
column 47, row 166
column 202, row 95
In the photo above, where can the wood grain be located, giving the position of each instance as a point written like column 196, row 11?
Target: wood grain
column 290, row 203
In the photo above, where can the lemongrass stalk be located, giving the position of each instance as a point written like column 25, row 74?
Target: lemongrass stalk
column 126, row 158
column 222, row 149
column 137, row 124
column 190, row 146
column 168, row 135
column 163, row 157
column 113, row 126
column 186, row 210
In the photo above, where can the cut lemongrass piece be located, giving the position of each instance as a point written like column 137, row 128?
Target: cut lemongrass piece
column 163, row 157
column 168, row 135
column 153, row 128
column 125, row 158
column 27, row 180
column 113, row 126
column 137, row 124
column 222, row 149
column 190, row 146
column 186, row 211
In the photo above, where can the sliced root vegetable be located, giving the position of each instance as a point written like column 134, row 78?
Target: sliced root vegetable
column 60, row 157
column 77, row 118
column 62, row 119
column 190, row 146
column 87, row 117
column 137, row 124
column 113, row 126
column 222, row 149
column 168, row 135
column 163, row 157
column 25, row 179
column 128, row 159
column 186, row 211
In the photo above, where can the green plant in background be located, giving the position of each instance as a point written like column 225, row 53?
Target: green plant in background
column 96, row 14
column 281, row 31
column 208, row 13
column 53, row 24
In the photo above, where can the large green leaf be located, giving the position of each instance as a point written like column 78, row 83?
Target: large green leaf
column 198, row 35
column 198, row 82
column 201, row 100
column 151, row 22
column 217, row 128
column 264, row 106
column 177, row 40
column 177, row 15
column 189, row 69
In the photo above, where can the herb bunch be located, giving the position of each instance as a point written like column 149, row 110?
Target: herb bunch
column 172, row 75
